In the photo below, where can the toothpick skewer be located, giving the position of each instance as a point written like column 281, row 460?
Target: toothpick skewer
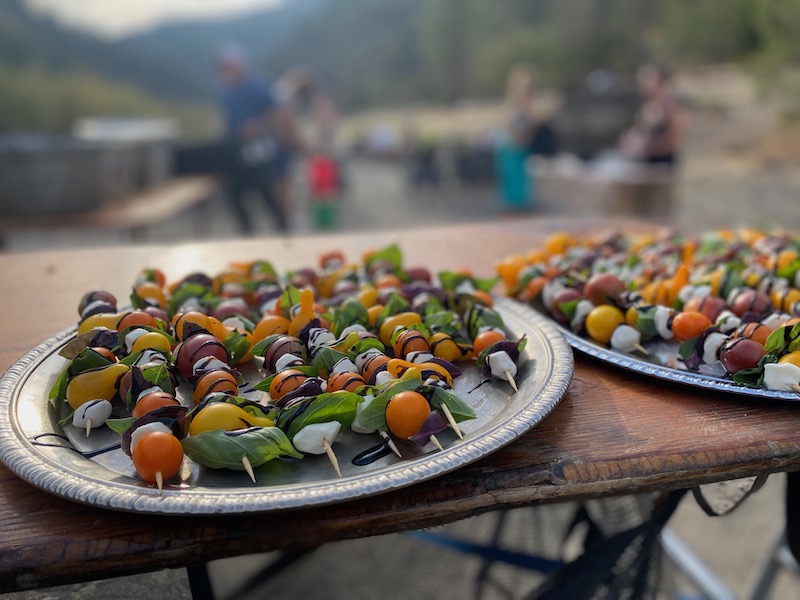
column 88, row 427
column 510, row 378
column 452, row 421
column 795, row 387
column 391, row 443
column 248, row 467
column 641, row 349
column 160, row 481
column 331, row 456
column 436, row 443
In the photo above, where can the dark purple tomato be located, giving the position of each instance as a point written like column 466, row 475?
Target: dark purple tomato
column 710, row 306
column 196, row 347
column 231, row 308
column 604, row 289
column 157, row 313
column 96, row 296
column 740, row 353
column 565, row 295
column 419, row 274
column 751, row 301
column 286, row 344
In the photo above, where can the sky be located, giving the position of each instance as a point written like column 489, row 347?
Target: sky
column 114, row 18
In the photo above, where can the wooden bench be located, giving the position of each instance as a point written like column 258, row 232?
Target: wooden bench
column 133, row 214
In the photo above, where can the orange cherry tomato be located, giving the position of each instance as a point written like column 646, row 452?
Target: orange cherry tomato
column 180, row 320
column 327, row 257
column 270, row 325
column 689, row 324
column 153, row 401
column 406, row 412
column 534, row 288
column 483, row 298
column 486, row 339
column 157, row 452
column 349, row 382
column 758, row 332
column 373, row 365
column 285, row 382
column 387, row 281
column 153, row 276
column 409, row 341
column 138, row 318
column 215, row 381
column 151, row 291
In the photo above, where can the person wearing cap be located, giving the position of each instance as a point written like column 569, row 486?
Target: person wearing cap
column 262, row 134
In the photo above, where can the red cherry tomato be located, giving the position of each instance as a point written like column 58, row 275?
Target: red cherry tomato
column 157, row 452
column 406, row 412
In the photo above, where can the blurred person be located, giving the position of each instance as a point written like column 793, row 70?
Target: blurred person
column 513, row 146
column 263, row 135
column 324, row 170
column 658, row 128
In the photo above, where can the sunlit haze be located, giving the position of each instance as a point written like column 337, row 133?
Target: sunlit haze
column 114, row 19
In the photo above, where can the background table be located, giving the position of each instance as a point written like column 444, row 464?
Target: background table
column 613, row 433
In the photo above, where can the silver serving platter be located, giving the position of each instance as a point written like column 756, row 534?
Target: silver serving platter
column 109, row 480
column 662, row 354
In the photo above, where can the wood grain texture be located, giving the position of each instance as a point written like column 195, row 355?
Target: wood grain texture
column 614, row 432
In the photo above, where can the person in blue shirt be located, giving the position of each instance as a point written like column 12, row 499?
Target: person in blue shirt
column 261, row 133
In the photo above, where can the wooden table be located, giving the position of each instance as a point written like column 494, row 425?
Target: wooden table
column 613, row 433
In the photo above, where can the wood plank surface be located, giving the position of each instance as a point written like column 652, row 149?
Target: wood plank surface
column 614, row 432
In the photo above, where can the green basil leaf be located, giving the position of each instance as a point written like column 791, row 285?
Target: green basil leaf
column 237, row 346
column 220, row 449
column 460, row 410
column 778, row 341
column 687, row 348
column 120, row 426
column 289, row 298
column 160, row 376
column 390, row 254
column 183, row 293
column 351, row 312
column 394, row 306
column 325, row 358
column 364, row 345
column 569, row 307
column 337, row 406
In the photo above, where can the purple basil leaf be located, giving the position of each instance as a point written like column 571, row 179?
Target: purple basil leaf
column 173, row 417
column 432, row 425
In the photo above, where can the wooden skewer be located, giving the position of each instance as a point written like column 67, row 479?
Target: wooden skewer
column 248, row 467
column 510, row 378
column 160, row 481
column 641, row 349
column 451, row 420
column 795, row 387
column 88, row 427
column 331, row 456
column 391, row 443
column 436, row 443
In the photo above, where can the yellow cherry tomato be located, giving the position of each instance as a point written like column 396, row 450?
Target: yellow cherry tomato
column 225, row 416
column 602, row 321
